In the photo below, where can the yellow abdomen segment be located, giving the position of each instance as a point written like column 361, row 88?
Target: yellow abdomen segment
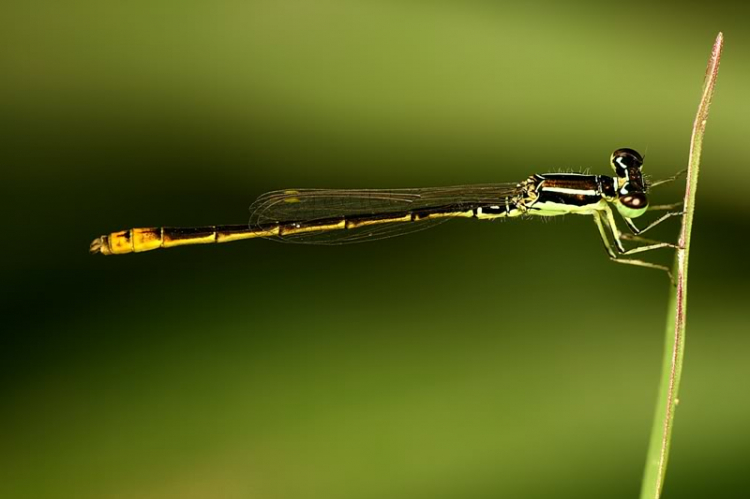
column 151, row 238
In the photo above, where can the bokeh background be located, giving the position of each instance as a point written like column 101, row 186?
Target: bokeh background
column 479, row 360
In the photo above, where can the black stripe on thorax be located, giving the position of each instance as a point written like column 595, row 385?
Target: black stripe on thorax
column 570, row 189
column 570, row 181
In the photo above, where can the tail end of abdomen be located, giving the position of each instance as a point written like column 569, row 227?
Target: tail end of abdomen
column 127, row 241
column 147, row 239
column 100, row 245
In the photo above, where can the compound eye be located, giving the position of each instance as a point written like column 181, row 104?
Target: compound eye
column 634, row 201
column 625, row 159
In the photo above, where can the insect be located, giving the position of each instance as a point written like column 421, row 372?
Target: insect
column 341, row 216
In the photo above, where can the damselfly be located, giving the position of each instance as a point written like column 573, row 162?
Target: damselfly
column 341, row 216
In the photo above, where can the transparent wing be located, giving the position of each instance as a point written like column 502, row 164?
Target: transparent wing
column 381, row 207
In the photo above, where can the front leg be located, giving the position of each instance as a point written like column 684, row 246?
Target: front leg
column 668, row 179
column 606, row 224
column 665, row 207
column 635, row 230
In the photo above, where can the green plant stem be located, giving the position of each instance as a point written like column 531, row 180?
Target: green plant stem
column 661, row 432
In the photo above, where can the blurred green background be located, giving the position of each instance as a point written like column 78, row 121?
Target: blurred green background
column 479, row 360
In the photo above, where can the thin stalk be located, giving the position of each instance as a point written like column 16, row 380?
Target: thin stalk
column 661, row 432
